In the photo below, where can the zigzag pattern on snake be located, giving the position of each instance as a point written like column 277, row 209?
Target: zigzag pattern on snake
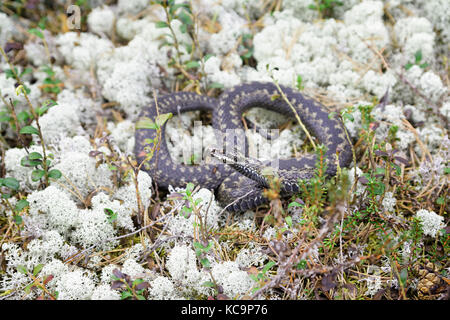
column 237, row 191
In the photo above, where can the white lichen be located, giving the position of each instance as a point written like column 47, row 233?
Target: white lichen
column 431, row 222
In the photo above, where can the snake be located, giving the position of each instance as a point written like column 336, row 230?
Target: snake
column 239, row 179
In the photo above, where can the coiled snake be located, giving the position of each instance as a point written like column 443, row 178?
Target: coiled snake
column 239, row 182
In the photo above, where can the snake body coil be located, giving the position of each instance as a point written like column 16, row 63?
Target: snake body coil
column 240, row 191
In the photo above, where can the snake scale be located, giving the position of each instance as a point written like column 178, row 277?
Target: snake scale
column 238, row 182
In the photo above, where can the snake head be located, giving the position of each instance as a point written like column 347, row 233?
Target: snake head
column 251, row 168
column 261, row 172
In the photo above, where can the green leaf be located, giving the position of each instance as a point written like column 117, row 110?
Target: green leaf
column 23, row 116
column 10, row 183
column 446, row 170
column 26, row 71
column 189, row 188
column 183, row 28
column 54, row 174
column 42, row 23
column 10, row 74
column 253, row 277
column 49, row 71
column 299, row 82
column 206, row 57
column 137, row 281
column 216, row 85
column 205, row 262
column 301, row 265
column 25, row 162
column 36, row 32
column 175, row 7
column 22, row 269
column 295, row 204
column 282, row 230
column 418, row 56
column 398, row 170
column 348, row 116
column 408, row 65
column 29, row 130
column 247, row 36
column 161, row 24
column 37, row 269
column 162, row 118
column 27, row 289
column 186, row 210
column 248, row 54
column 6, row 196
column 404, row 276
column 331, row 115
column 198, row 245
column 21, row 204
column 146, row 123
column 48, row 104
column 34, row 156
column 185, row 17
column 424, row 65
column 5, row 117
column 289, row 221
column 192, row 64
column 126, row 294
column 268, row 265
column 112, row 216
column 18, row 219
column 37, row 174
column 208, row 284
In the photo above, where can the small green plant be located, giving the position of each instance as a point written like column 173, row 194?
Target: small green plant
column 181, row 12
column 11, row 184
column 261, row 277
column 201, row 250
column 10, row 187
column 417, row 61
column 129, row 290
column 152, row 144
column 38, row 283
column 246, row 48
column 51, row 84
column 36, row 161
column 314, row 189
column 325, row 7
column 190, row 62
column 192, row 206
column 111, row 215
column 299, row 83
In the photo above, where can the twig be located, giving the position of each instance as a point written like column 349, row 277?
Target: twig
column 296, row 114
column 287, row 266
